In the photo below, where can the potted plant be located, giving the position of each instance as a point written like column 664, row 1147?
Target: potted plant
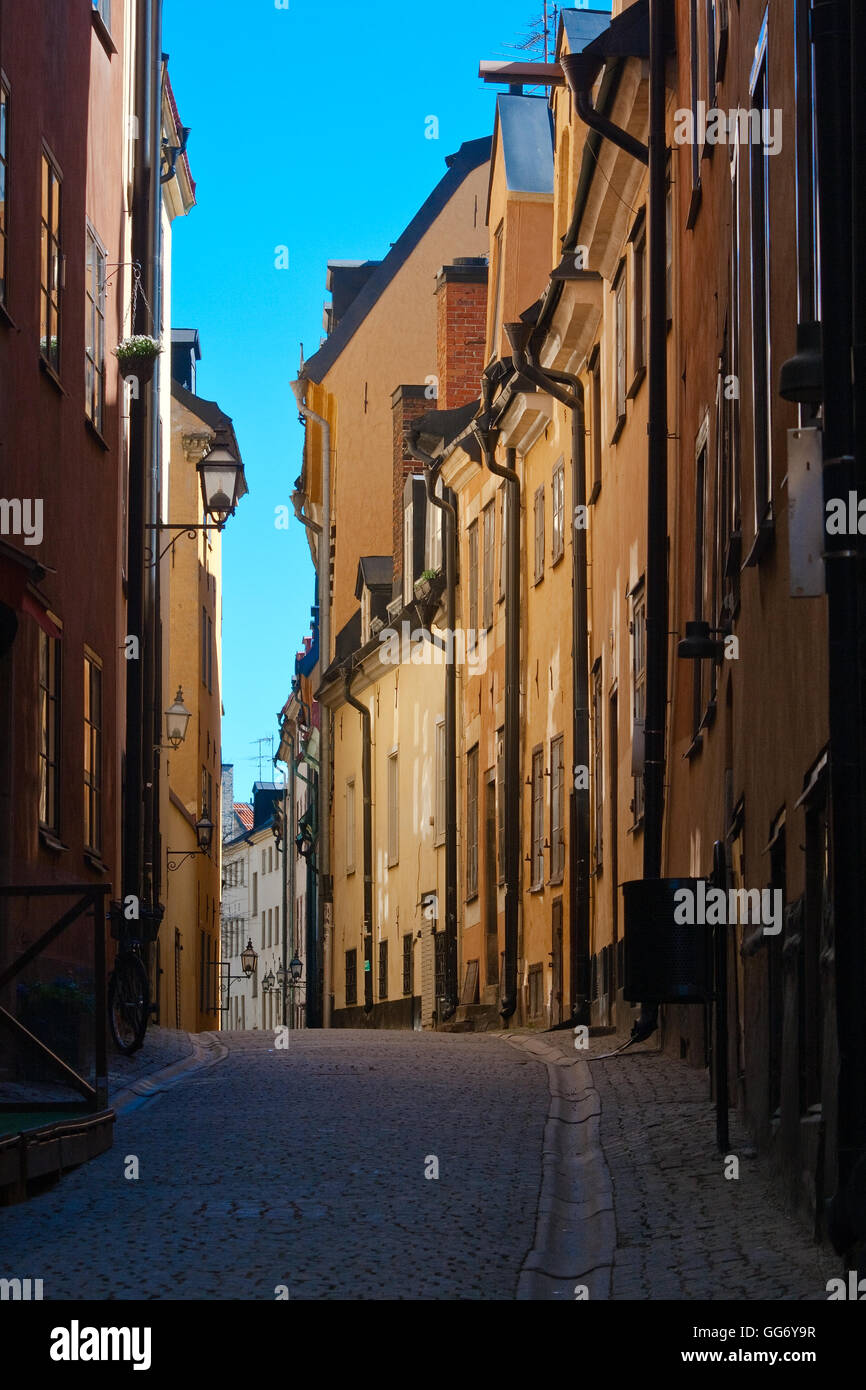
column 59, row 1013
column 136, row 356
column 424, row 585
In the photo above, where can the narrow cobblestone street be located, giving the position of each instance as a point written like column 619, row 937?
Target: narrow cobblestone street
column 306, row 1168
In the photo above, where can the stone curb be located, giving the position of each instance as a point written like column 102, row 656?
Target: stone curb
column 575, row 1230
column 207, row 1051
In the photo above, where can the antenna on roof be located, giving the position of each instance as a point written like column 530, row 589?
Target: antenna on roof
column 259, row 743
column 540, row 42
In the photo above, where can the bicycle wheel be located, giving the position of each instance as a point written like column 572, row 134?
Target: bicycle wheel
column 128, row 1003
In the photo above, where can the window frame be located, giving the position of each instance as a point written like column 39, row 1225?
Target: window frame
column 488, row 560
column 595, row 405
column 351, row 977
column 96, row 257
column 5, row 128
column 472, row 581
column 557, row 503
column 50, row 726
column 93, row 754
column 557, row 804
column 761, row 309
column 50, row 260
column 620, row 348
column 393, row 808
column 472, row 774
column 638, row 674
column 440, row 774
column 598, row 765
column 537, row 819
column 538, row 520
column 350, row 826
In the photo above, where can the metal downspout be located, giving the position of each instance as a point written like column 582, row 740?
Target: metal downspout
column 431, row 468
column 487, row 439
column 326, row 892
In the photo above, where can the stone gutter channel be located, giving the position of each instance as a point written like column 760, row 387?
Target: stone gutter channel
column 575, row 1233
column 207, row 1051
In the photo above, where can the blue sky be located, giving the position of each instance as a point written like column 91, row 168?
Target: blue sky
column 307, row 132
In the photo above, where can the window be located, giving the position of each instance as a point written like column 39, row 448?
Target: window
column 350, row 825
column 537, row 788
column 383, row 970
column 500, row 800
column 699, row 577
column 408, row 964
column 94, row 342
column 620, row 346
column 488, row 540
column 255, row 906
column 439, row 808
column 92, row 753
column 276, row 924
column 557, row 810
column 393, row 809
column 539, row 534
column 408, row 553
column 4, row 187
column 558, row 504
column 472, row 539
column 472, row 822
column 439, row 965
column 669, row 247
column 497, row 294
column 759, row 166
column 210, row 654
column 808, row 236
column 433, row 537
column 51, row 269
column 639, row 309
column 351, row 977
column 536, row 991
column 597, row 765
column 503, row 539
column 270, row 859
column 595, row 419
column 638, row 626
column 103, row 9
column 204, row 646
column 49, row 732
column 695, row 66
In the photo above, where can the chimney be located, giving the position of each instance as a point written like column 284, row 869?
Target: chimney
column 461, row 292
column 408, row 403
column 228, row 797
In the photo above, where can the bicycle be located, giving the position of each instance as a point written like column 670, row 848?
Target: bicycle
column 129, row 1002
column 129, row 998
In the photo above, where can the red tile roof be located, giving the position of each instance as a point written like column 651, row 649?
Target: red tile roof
column 244, row 814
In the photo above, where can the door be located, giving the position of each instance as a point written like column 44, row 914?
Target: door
column 491, row 903
column 613, row 782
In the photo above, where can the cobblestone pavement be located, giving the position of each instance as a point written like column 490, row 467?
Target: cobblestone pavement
column 683, row 1230
column 306, row 1168
column 162, row 1047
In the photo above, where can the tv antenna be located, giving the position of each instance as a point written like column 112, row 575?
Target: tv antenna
column 260, row 744
column 541, row 39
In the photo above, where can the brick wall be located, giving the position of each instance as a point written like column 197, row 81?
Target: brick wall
column 461, row 291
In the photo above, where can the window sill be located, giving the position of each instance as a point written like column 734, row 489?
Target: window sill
column 695, row 746
column 537, row 888
column 763, row 542
column 618, row 428
column 595, row 494
column 50, row 841
column 557, row 559
column 103, row 33
column 694, row 206
column 539, row 579
column 94, row 862
column 556, row 882
column 636, row 383
column 471, row 897
column 51, row 374
column 97, row 434
column 6, row 317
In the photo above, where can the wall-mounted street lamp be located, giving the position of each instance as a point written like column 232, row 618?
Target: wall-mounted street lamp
column 204, row 828
column 177, row 718
column 249, row 960
column 698, row 645
column 268, row 982
column 220, row 475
